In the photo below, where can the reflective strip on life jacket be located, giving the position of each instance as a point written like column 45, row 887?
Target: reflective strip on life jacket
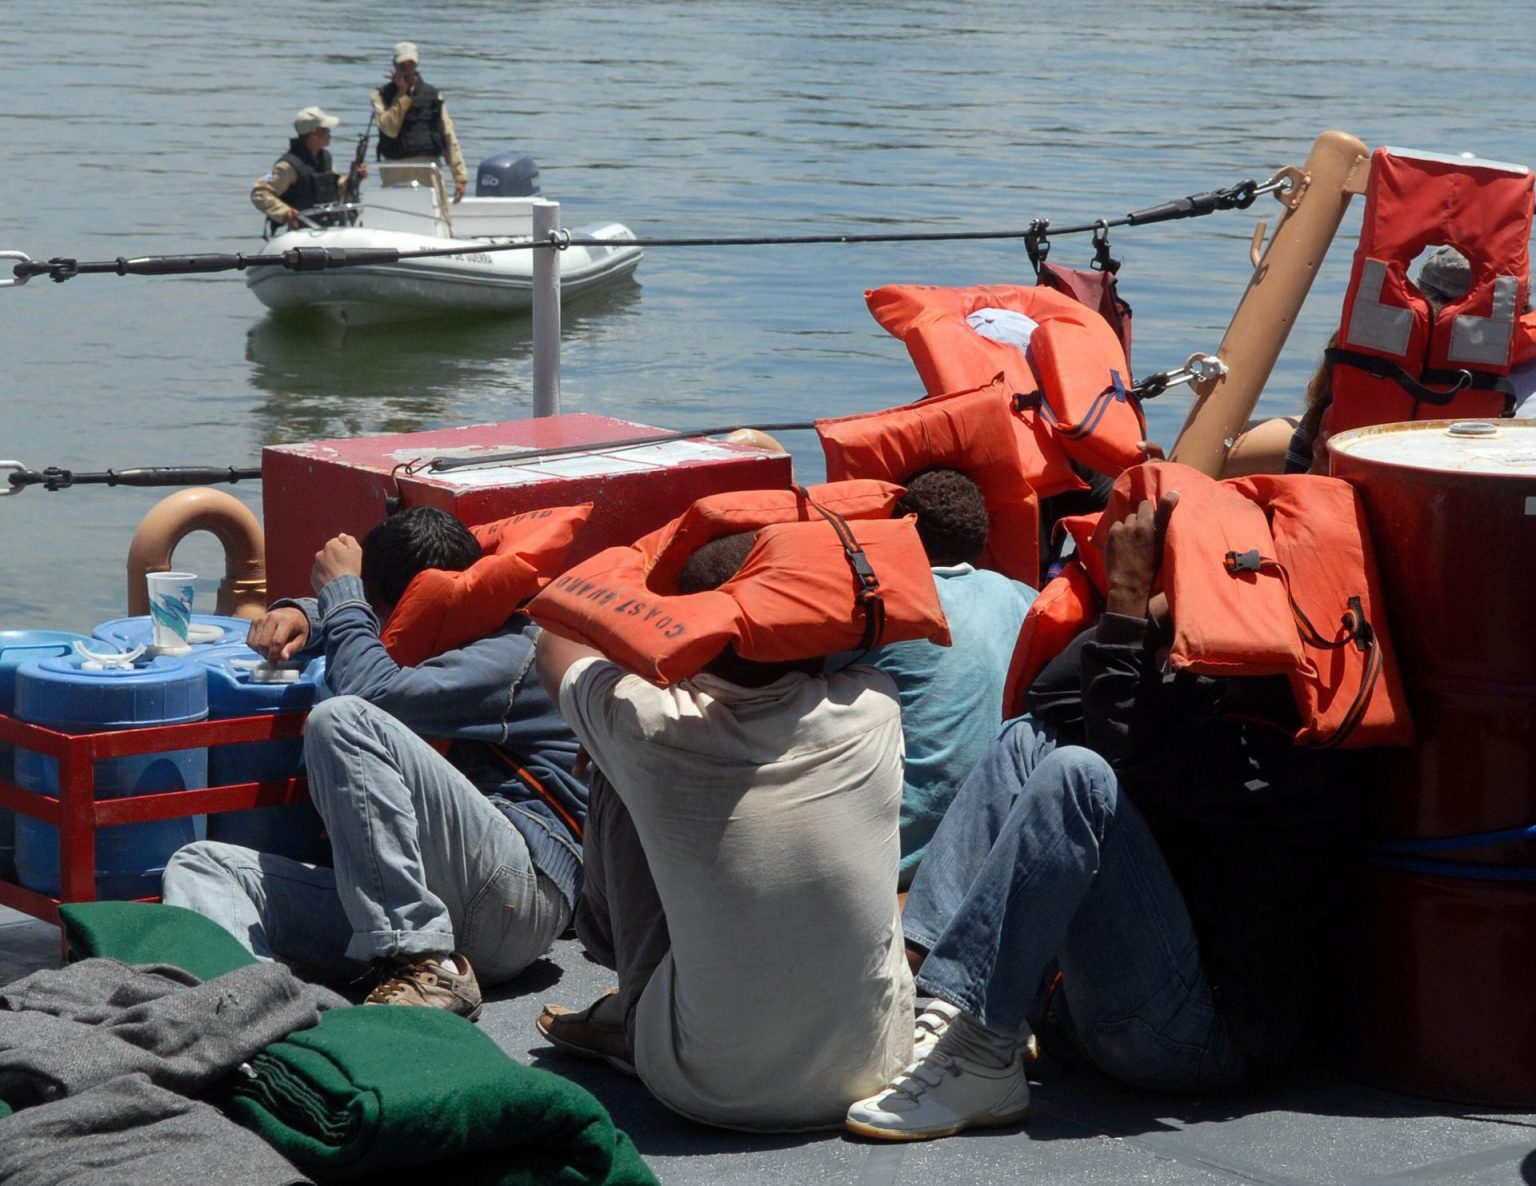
column 1397, row 360
column 970, row 431
column 442, row 611
column 959, row 338
column 800, row 594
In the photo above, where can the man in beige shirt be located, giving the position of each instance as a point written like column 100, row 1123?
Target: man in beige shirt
column 303, row 176
column 413, row 119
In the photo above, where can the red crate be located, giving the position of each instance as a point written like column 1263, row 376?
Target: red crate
column 77, row 813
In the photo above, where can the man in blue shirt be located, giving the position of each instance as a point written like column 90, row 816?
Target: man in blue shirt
column 444, row 866
column 951, row 697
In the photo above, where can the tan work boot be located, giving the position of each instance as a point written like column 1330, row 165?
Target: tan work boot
column 423, row 981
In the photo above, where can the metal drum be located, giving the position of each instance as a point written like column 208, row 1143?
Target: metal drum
column 1446, row 1007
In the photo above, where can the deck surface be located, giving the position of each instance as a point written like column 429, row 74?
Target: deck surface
column 1315, row 1129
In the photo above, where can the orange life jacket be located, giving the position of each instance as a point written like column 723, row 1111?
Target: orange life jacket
column 970, row 431
column 442, row 611
column 1395, row 360
column 1071, row 389
column 1264, row 575
column 813, row 584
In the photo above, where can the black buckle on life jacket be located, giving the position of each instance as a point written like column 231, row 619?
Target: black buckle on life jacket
column 1250, row 561
column 1358, row 625
column 1453, row 382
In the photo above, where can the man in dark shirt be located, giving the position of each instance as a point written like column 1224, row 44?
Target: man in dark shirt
column 1173, row 862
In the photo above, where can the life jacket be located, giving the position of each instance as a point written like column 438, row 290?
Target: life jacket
column 1395, row 359
column 442, row 611
column 970, row 431
column 1059, row 359
column 315, row 183
column 816, row 582
column 421, row 132
column 1098, row 290
column 1265, row 575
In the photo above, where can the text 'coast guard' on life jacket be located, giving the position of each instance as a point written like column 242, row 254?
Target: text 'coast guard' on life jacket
column 1060, row 360
column 1399, row 358
column 828, row 572
column 1264, row 575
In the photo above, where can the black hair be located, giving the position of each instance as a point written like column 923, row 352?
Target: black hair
column 409, row 542
column 715, row 563
column 951, row 515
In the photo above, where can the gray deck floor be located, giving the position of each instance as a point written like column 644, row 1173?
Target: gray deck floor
column 1313, row 1129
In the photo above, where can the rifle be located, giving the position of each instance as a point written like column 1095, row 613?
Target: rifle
column 354, row 179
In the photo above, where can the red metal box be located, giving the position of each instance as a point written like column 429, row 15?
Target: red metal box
column 312, row 491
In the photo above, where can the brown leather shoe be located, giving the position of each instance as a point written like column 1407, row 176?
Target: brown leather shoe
column 423, row 981
column 594, row 1032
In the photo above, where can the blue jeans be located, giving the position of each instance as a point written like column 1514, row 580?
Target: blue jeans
column 424, row 863
column 1039, row 860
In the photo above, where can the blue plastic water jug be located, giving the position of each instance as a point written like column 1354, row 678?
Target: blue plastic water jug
column 16, row 647
column 65, row 694
column 208, row 630
column 240, row 684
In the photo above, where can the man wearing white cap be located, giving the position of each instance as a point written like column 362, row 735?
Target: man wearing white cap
column 302, row 177
column 413, row 119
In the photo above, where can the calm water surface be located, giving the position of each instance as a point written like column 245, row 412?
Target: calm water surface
column 136, row 127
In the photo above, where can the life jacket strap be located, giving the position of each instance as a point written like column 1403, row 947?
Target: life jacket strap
column 1459, row 381
column 866, row 583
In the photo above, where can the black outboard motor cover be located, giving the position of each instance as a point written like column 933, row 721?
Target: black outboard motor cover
column 507, row 175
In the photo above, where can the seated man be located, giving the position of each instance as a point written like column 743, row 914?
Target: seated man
column 739, row 873
column 951, row 697
column 1180, row 867
column 444, row 867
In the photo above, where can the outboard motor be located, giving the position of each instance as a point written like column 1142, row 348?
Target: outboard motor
column 507, row 175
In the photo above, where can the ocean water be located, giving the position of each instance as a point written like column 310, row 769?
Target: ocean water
column 137, row 127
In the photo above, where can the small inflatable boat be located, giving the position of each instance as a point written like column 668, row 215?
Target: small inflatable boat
column 407, row 210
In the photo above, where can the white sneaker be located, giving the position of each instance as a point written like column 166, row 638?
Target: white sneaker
column 934, row 1019
column 939, row 1095
column 931, row 1022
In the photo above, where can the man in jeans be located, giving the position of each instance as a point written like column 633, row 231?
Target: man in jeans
column 444, row 866
column 1180, row 867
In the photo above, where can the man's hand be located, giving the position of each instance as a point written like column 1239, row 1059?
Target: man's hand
column 1133, row 554
column 341, row 556
column 404, row 80
column 278, row 633
column 292, row 219
column 458, row 192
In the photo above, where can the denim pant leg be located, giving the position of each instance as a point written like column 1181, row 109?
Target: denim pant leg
column 277, row 907
column 1046, row 818
column 619, row 919
column 1138, row 999
column 971, row 825
column 425, row 864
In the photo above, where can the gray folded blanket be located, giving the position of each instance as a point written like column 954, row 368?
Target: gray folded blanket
column 128, row 1132
column 66, row 1031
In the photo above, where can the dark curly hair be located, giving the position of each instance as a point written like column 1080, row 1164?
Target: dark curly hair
column 951, row 516
column 410, row 541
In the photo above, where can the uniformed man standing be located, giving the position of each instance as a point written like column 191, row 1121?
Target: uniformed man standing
column 413, row 120
column 302, row 177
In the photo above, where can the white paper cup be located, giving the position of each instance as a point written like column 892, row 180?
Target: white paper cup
column 170, row 609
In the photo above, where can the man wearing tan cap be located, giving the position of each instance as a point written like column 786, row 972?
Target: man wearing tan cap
column 413, row 119
column 302, row 177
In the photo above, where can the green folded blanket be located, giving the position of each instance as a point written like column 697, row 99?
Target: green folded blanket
column 151, row 933
column 374, row 1090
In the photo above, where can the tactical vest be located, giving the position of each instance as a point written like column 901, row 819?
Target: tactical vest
column 315, row 183
column 421, row 132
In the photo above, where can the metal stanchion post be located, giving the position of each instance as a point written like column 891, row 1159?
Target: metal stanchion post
column 546, row 311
